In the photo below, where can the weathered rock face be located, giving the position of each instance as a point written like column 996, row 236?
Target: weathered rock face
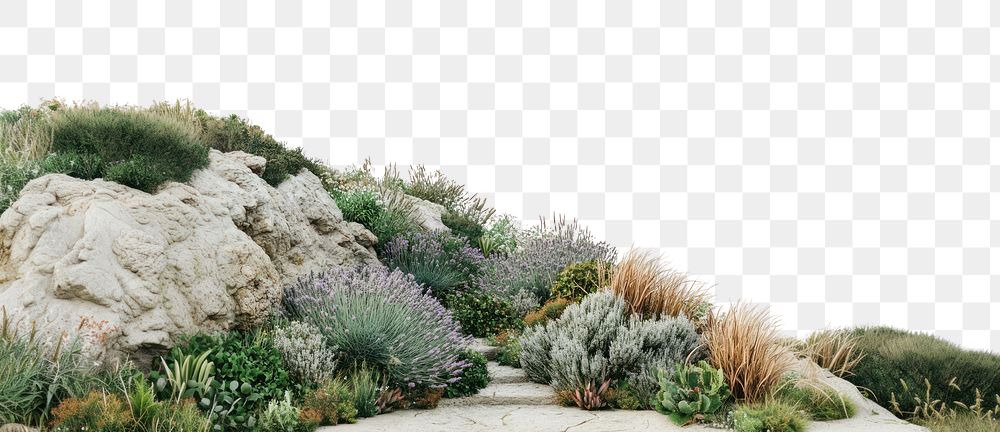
column 129, row 271
column 427, row 214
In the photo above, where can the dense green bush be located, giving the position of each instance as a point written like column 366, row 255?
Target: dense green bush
column 597, row 341
column 381, row 318
column 442, row 262
column 473, row 378
column 770, row 416
column 248, row 367
column 892, row 356
column 463, row 224
column 233, row 133
column 386, row 220
column 131, row 147
column 500, row 236
column 579, row 279
column 482, row 314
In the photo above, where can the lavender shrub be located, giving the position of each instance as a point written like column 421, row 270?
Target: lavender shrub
column 440, row 261
column 541, row 254
column 384, row 319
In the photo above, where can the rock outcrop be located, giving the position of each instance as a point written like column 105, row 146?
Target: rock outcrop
column 427, row 214
column 128, row 271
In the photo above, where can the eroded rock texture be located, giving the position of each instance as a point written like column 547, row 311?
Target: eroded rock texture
column 129, row 271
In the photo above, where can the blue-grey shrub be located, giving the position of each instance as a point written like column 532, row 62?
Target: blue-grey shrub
column 597, row 340
column 383, row 319
column 306, row 354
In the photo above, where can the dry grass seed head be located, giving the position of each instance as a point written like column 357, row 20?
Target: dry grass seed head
column 835, row 350
column 651, row 288
column 745, row 344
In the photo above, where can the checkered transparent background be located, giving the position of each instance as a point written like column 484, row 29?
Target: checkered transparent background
column 830, row 158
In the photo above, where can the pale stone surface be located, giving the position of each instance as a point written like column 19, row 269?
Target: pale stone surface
column 140, row 269
column 517, row 393
column 505, row 374
column 427, row 214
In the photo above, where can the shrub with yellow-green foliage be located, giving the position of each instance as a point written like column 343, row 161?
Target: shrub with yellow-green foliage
column 579, row 279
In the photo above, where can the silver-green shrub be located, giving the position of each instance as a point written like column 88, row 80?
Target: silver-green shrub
column 306, row 354
column 597, row 340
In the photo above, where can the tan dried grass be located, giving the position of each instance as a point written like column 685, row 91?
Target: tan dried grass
column 744, row 342
column 651, row 288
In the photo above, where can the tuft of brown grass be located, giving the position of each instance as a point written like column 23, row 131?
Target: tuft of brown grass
column 836, row 350
column 745, row 344
column 651, row 288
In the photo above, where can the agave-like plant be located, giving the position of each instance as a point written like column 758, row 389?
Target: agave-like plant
column 694, row 391
column 188, row 376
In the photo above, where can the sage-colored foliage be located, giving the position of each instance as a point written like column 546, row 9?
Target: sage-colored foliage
column 691, row 393
column 597, row 340
column 308, row 359
column 769, row 416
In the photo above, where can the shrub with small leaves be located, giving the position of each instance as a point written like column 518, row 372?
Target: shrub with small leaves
column 693, row 392
column 308, row 359
column 332, row 403
column 97, row 411
column 473, row 378
column 579, row 279
column 551, row 310
column 482, row 314
column 596, row 341
column 281, row 416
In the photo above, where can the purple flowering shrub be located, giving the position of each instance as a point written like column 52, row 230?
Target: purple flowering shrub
column 440, row 261
column 383, row 319
column 542, row 252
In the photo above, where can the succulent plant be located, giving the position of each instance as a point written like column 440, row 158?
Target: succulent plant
column 694, row 391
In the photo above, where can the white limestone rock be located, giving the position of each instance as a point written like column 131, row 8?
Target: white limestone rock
column 129, row 271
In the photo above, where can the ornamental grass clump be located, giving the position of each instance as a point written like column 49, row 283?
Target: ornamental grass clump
column 836, row 350
column 597, row 341
column 541, row 254
column 384, row 319
column 440, row 261
column 746, row 345
column 651, row 288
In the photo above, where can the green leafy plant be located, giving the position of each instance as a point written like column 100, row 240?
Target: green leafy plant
column 482, row 314
column 579, row 279
column 694, row 392
column 187, row 375
column 473, row 378
column 281, row 416
column 768, row 416
column 500, row 236
column 249, row 371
